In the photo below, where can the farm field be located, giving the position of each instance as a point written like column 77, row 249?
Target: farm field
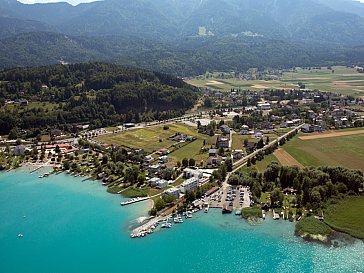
column 343, row 80
column 346, row 216
column 346, row 151
column 286, row 159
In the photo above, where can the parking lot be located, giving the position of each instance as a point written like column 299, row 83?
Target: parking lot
column 237, row 197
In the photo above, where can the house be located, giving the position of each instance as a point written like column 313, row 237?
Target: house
column 311, row 114
column 19, row 150
column 244, row 132
column 24, row 103
column 307, row 128
column 225, row 129
column 214, row 160
column 163, row 151
column 153, row 181
column 264, row 106
column 189, row 184
column 222, row 142
column 129, row 125
column 188, row 173
column 212, row 152
column 258, row 134
column 154, row 168
column 163, row 159
column 148, row 159
column 283, row 125
column 161, row 184
column 212, row 191
column 237, row 154
column 173, row 192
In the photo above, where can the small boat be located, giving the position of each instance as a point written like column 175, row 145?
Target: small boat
column 20, row 235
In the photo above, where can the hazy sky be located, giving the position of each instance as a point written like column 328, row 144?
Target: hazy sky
column 73, row 2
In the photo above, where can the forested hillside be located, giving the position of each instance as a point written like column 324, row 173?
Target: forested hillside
column 99, row 94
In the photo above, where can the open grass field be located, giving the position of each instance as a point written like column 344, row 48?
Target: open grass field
column 347, row 216
column 153, row 138
column 346, row 151
column 343, row 80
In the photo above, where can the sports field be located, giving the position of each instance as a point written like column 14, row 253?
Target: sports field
column 338, row 79
column 345, row 150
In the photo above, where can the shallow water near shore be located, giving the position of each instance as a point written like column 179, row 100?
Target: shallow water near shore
column 74, row 226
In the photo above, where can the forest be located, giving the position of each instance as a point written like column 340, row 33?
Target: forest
column 98, row 94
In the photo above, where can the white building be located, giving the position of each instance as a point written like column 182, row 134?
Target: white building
column 189, row 184
column 188, row 173
column 161, row 184
column 153, row 181
column 173, row 192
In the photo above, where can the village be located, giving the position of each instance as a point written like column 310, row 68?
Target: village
column 178, row 161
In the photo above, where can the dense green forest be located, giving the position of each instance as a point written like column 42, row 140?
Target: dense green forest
column 96, row 93
column 187, row 57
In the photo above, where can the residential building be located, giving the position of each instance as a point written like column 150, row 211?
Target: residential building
column 161, row 184
column 153, row 181
column 173, row 192
column 222, row 142
column 188, row 173
column 189, row 184
column 214, row 160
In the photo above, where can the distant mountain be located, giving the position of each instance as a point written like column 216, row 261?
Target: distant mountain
column 338, row 21
column 183, row 37
column 12, row 26
column 191, row 56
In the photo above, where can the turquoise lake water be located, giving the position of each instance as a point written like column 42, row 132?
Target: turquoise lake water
column 75, row 226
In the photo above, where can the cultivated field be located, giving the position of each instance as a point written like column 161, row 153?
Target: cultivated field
column 332, row 134
column 344, row 151
column 340, row 79
column 286, row 159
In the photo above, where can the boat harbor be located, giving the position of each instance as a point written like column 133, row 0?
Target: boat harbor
column 161, row 222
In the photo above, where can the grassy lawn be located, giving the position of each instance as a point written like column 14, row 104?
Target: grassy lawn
column 311, row 225
column 238, row 141
column 347, row 216
column 253, row 212
column 187, row 151
column 262, row 165
column 132, row 192
column 151, row 138
column 344, row 151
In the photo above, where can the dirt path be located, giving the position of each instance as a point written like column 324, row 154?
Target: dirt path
column 333, row 134
column 286, row 159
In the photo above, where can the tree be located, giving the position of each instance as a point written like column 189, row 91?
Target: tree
column 191, row 162
column 276, row 198
column 13, row 134
column 229, row 164
column 267, row 140
column 248, row 163
column 246, row 142
column 57, row 149
column 185, row 162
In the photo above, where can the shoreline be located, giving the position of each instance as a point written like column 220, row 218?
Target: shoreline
column 333, row 239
